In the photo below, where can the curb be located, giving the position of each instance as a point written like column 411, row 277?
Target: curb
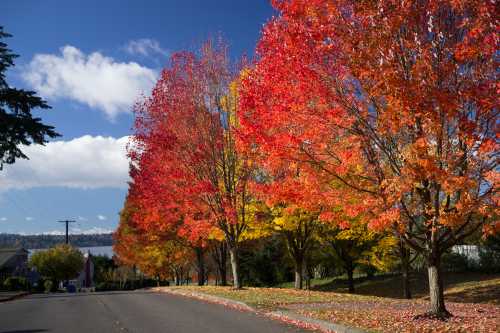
column 13, row 297
column 209, row 298
column 285, row 316
column 322, row 325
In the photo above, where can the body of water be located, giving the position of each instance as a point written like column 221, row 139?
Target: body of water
column 93, row 250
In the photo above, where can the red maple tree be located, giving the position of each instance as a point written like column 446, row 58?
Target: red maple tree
column 184, row 148
column 391, row 107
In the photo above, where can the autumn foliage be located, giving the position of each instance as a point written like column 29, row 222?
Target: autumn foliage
column 157, row 252
column 368, row 126
column 187, row 172
column 390, row 108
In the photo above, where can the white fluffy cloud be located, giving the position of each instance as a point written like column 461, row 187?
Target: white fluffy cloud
column 3, row 219
column 102, row 217
column 85, row 162
column 29, row 218
column 145, row 47
column 95, row 80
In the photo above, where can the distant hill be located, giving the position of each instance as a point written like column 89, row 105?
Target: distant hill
column 46, row 241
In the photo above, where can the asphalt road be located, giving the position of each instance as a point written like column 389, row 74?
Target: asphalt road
column 135, row 311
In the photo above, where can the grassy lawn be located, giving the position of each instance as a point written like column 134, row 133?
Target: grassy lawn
column 273, row 298
column 380, row 314
column 459, row 287
column 399, row 316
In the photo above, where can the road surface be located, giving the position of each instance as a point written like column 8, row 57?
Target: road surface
column 134, row 311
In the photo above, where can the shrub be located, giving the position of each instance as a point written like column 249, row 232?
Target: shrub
column 15, row 283
column 108, row 286
column 489, row 260
column 369, row 270
column 258, row 258
column 454, row 262
column 38, row 286
column 48, row 285
column 101, row 286
column 489, row 255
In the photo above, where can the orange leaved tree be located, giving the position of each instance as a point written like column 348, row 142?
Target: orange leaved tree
column 392, row 107
column 185, row 132
column 154, row 252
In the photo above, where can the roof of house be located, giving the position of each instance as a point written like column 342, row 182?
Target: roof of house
column 7, row 253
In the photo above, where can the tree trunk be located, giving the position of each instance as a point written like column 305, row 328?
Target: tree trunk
column 307, row 274
column 235, row 265
column 223, row 273
column 222, row 263
column 299, row 273
column 297, row 251
column 406, row 281
column 200, row 265
column 350, row 278
column 436, row 292
column 404, row 254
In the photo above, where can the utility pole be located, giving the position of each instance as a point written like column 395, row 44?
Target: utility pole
column 67, row 223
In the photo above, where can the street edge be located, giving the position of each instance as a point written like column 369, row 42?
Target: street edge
column 285, row 316
column 11, row 298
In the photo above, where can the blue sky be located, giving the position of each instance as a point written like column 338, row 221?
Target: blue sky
column 90, row 60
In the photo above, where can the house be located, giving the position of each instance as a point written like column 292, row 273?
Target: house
column 13, row 262
column 86, row 277
column 471, row 252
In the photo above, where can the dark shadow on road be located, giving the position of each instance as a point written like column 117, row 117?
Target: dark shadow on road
column 26, row 331
column 90, row 294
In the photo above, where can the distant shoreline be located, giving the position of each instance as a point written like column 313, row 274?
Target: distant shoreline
column 93, row 250
column 44, row 241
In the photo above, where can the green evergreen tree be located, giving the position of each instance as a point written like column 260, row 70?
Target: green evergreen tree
column 18, row 127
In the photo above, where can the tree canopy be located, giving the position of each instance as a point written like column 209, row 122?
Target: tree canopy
column 373, row 122
column 62, row 262
column 389, row 107
column 18, row 127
